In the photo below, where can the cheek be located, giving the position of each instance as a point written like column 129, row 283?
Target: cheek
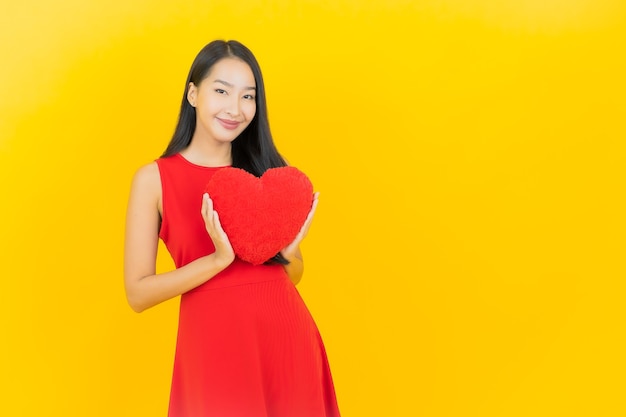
column 249, row 110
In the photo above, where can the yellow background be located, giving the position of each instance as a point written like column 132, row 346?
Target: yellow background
column 467, row 258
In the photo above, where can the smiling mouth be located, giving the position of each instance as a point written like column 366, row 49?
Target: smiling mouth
column 228, row 124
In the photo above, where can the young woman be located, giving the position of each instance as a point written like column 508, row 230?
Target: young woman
column 247, row 345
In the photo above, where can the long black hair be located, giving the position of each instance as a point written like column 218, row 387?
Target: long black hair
column 253, row 150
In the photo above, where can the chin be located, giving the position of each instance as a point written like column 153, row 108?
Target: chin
column 229, row 139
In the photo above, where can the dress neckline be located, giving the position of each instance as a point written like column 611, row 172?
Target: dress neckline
column 188, row 162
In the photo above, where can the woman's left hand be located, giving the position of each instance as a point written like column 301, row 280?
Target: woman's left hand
column 290, row 251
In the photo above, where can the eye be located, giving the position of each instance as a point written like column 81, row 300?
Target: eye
column 249, row 97
column 220, row 91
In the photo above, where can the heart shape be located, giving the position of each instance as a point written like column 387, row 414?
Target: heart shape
column 260, row 215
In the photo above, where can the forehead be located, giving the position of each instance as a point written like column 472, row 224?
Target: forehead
column 232, row 70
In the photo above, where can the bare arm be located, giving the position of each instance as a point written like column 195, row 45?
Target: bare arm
column 292, row 253
column 295, row 267
column 145, row 288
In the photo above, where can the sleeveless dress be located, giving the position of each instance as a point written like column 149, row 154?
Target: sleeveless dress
column 247, row 346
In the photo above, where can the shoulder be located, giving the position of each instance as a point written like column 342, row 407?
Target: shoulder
column 147, row 179
column 147, row 174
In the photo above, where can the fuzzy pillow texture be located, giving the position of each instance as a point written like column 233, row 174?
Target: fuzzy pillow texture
column 261, row 215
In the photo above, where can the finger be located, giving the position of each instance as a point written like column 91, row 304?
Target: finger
column 218, row 227
column 216, row 221
column 209, row 200
column 304, row 230
column 313, row 207
column 309, row 217
column 203, row 210
column 207, row 213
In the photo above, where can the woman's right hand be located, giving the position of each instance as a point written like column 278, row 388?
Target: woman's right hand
column 223, row 249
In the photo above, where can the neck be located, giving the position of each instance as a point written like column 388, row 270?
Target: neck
column 208, row 153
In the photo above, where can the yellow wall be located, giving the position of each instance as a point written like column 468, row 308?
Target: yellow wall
column 467, row 257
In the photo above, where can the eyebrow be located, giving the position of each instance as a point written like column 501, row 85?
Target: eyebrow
column 227, row 84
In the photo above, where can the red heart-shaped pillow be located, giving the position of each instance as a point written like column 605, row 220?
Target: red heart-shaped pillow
column 261, row 215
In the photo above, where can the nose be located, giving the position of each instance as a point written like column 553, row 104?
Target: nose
column 234, row 107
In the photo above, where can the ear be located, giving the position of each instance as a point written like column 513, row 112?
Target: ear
column 192, row 94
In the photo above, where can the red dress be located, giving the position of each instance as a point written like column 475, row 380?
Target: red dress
column 247, row 345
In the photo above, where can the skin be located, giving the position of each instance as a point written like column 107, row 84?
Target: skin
column 225, row 105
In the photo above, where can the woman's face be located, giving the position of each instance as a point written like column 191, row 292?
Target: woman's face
column 224, row 101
